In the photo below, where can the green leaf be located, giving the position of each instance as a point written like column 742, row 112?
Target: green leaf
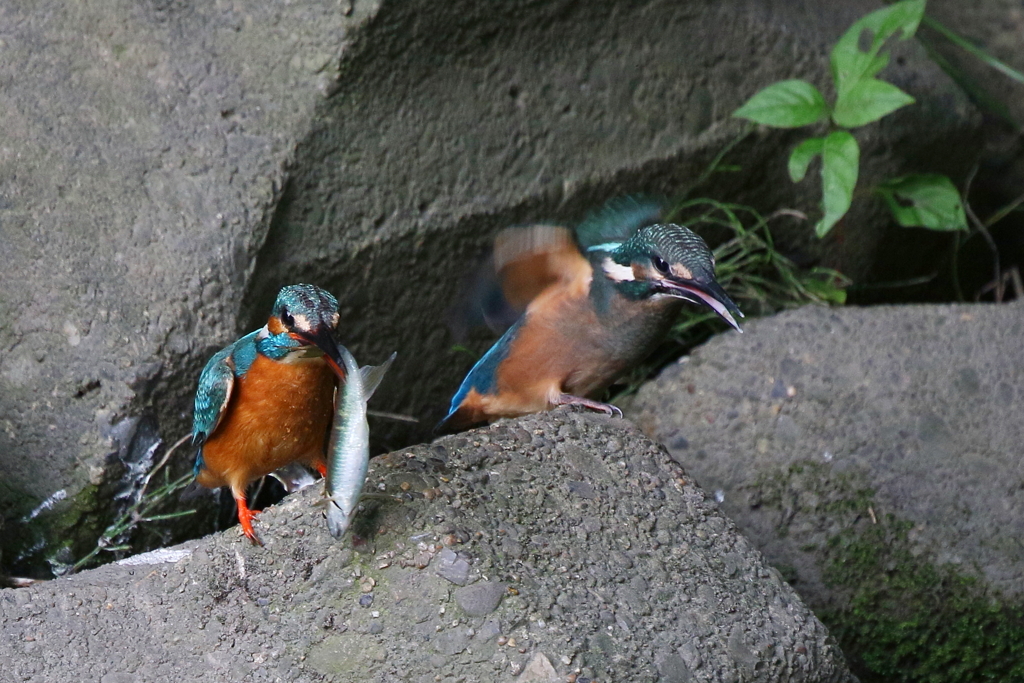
column 928, row 200
column 802, row 156
column 840, row 162
column 857, row 67
column 786, row 104
column 868, row 100
column 825, row 290
column 903, row 17
column 850, row 64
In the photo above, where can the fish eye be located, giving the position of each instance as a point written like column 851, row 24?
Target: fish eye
column 660, row 263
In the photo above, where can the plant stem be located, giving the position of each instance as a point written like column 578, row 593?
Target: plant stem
column 969, row 47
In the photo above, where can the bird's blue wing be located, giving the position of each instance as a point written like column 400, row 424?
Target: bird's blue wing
column 483, row 374
column 213, row 395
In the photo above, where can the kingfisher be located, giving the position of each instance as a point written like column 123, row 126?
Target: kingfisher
column 595, row 302
column 267, row 400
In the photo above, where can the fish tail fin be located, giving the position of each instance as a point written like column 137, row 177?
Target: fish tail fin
column 373, row 374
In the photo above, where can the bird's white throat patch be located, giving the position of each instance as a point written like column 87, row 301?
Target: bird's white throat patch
column 617, row 272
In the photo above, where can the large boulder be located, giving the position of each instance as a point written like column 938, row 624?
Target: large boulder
column 166, row 166
column 874, row 457
column 552, row 548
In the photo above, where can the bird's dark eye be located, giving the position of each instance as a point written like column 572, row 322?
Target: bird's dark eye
column 660, row 263
column 287, row 319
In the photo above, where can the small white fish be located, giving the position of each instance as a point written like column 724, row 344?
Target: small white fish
column 349, row 449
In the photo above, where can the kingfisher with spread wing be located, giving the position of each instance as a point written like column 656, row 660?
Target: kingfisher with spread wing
column 596, row 301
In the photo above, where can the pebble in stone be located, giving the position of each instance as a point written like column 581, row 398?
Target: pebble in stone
column 480, row 599
column 366, row 600
column 539, row 670
column 672, row 669
column 491, row 629
column 451, row 642
column 452, row 567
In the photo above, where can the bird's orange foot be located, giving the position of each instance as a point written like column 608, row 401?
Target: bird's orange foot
column 245, row 517
column 570, row 400
column 321, row 467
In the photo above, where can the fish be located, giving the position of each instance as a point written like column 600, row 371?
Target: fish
column 349, row 446
column 293, row 477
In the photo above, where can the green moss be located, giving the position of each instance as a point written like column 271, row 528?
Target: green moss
column 898, row 615
column 54, row 536
column 909, row 619
column 74, row 528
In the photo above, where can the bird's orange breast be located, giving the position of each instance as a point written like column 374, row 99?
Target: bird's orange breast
column 279, row 413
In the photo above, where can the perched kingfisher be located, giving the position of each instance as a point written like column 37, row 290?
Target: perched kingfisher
column 267, row 400
column 594, row 307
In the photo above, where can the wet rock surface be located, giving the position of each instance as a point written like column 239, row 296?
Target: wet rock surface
column 642, row 579
column 167, row 166
column 820, row 425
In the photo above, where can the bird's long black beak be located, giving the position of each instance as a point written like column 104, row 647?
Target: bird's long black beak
column 323, row 338
column 710, row 294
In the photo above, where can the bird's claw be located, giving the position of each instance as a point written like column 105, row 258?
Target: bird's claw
column 245, row 517
column 606, row 408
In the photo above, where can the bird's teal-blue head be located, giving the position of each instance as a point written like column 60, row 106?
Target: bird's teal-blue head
column 304, row 319
column 664, row 259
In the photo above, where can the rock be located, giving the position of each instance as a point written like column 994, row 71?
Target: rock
column 452, row 567
column 167, row 166
column 673, row 669
column 539, row 670
column 199, row 617
column 451, row 642
column 490, row 630
column 481, row 598
column 887, row 474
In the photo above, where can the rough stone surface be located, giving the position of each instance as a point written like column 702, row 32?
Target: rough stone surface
column 996, row 26
column 645, row 581
column 914, row 411
column 539, row 670
column 166, row 166
column 452, row 567
column 481, row 598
